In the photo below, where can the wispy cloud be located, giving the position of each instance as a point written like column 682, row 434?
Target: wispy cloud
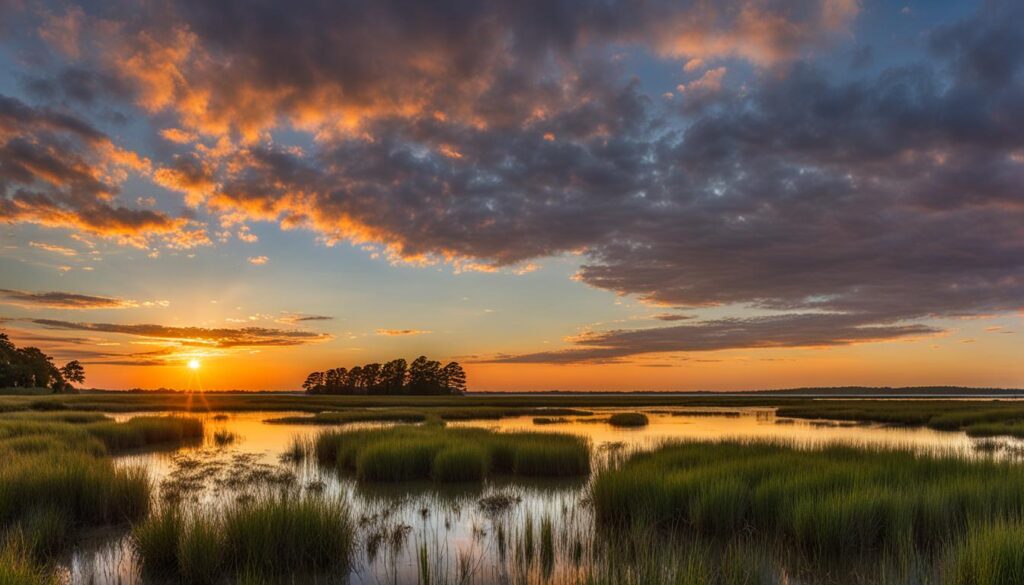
column 672, row 317
column 65, row 300
column 293, row 318
column 62, row 250
column 401, row 332
column 197, row 336
column 258, row 260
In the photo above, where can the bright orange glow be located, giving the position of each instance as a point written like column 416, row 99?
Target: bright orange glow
column 193, row 364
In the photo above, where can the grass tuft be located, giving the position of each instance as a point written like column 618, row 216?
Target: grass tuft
column 270, row 537
column 143, row 431
column 831, row 501
column 989, row 555
column 628, row 419
column 450, row 455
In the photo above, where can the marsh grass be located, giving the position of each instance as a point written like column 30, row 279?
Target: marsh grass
column 549, row 420
column 408, row 415
column 144, row 431
column 978, row 418
column 224, row 437
column 56, row 480
column 273, row 536
column 299, row 448
column 829, row 501
column 990, row 555
column 19, row 567
column 279, row 401
column 628, row 419
column 451, row 455
column 460, row 463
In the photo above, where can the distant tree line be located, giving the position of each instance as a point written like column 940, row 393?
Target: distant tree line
column 421, row 377
column 29, row 367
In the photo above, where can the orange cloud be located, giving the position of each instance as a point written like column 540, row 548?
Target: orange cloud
column 63, row 173
column 63, row 251
column 401, row 332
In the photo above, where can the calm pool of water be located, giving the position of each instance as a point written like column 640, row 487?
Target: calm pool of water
column 466, row 535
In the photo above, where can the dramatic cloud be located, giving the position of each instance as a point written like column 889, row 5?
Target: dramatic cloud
column 801, row 330
column 235, row 66
column 400, row 332
column 198, row 336
column 62, row 300
column 59, row 171
column 490, row 134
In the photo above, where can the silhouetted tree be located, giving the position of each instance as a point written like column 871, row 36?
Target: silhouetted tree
column 28, row 367
column 40, row 366
column 334, row 380
column 422, row 376
column 392, row 376
column 453, row 378
column 370, row 377
column 73, row 372
column 314, row 383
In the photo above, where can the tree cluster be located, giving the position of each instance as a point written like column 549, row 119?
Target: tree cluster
column 421, row 377
column 29, row 367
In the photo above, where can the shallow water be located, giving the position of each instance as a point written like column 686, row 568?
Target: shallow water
column 466, row 540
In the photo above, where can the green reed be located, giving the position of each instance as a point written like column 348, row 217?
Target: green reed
column 829, row 501
column 274, row 536
column 451, row 454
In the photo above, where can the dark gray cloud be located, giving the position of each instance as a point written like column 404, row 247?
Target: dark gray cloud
column 799, row 330
column 882, row 200
column 197, row 336
column 56, row 169
column 495, row 133
column 250, row 64
column 62, row 300
column 303, row 318
column 673, row 317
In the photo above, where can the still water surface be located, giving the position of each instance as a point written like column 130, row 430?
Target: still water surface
column 467, row 540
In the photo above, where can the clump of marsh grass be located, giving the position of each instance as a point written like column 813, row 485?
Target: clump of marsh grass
column 267, row 537
column 56, row 480
column 547, row 545
column 497, row 503
column 143, row 431
column 80, row 487
column 628, row 419
column 988, row 555
column 830, row 501
column 19, row 567
column 549, row 420
column 451, row 454
column 298, row 449
column 460, row 463
column 224, row 437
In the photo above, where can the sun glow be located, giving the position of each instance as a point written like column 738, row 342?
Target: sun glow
column 193, row 364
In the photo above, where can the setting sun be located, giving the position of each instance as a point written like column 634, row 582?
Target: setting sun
column 193, row 364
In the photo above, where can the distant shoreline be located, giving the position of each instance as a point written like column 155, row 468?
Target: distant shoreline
column 806, row 392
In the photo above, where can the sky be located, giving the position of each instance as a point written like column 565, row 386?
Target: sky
column 558, row 194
